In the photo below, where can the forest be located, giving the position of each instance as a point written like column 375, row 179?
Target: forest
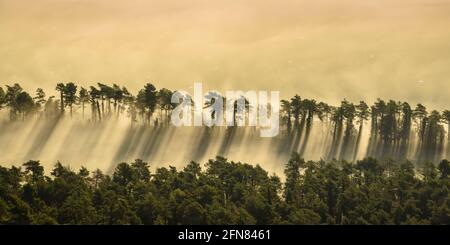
column 396, row 129
column 227, row 192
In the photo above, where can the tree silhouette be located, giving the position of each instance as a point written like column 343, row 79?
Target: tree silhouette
column 84, row 98
column 337, row 119
column 311, row 107
column 349, row 114
column 165, row 104
column 420, row 114
column 24, row 104
column 147, row 100
column 12, row 92
column 39, row 99
column 61, row 88
column 70, row 96
column 363, row 114
column 95, row 95
column 117, row 96
column 296, row 108
column 287, row 113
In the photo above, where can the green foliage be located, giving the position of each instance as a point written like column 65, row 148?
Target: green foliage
column 227, row 192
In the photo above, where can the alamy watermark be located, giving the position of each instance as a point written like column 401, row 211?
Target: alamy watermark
column 236, row 108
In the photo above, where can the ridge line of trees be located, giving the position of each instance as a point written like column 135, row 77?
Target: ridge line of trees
column 394, row 125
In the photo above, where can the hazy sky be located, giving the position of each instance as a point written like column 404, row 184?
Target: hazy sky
column 325, row 49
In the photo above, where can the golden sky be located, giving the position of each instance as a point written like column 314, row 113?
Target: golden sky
column 324, row 49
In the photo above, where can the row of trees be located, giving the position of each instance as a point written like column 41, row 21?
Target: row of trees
column 226, row 192
column 104, row 101
column 396, row 127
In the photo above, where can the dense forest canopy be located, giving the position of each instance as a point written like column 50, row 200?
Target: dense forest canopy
column 398, row 130
column 226, row 192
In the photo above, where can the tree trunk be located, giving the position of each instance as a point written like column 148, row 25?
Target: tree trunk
column 62, row 102
column 358, row 140
column 103, row 106
column 98, row 110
